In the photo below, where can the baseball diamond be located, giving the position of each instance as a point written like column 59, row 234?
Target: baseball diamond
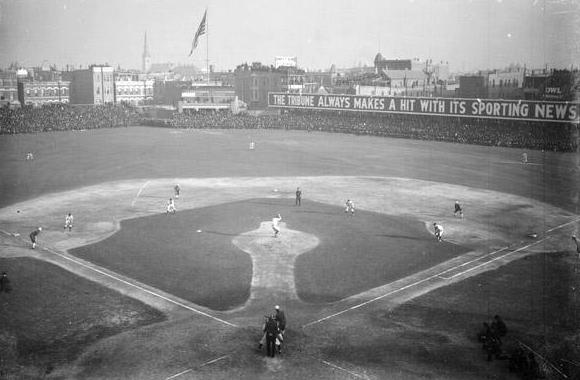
column 152, row 297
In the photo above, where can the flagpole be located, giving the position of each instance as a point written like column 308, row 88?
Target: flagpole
column 207, row 46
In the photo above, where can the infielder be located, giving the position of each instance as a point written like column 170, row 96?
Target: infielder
column 170, row 206
column 349, row 207
column 276, row 225
column 33, row 236
column 458, row 209
column 438, row 231
column 68, row 222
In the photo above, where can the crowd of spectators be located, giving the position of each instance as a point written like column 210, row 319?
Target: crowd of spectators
column 491, row 132
column 64, row 117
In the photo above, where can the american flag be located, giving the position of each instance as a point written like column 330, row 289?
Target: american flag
column 200, row 32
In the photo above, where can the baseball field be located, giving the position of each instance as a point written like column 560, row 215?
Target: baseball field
column 132, row 292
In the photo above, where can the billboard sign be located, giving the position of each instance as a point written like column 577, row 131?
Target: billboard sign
column 478, row 108
column 285, row 61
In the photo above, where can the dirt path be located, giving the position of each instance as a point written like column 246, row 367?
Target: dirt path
column 495, row 229
column 98, row 211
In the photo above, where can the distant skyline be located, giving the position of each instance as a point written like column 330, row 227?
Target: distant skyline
column 470, row 35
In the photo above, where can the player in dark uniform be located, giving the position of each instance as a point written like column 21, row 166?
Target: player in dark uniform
column 577, row 252
column 458, row 209
column 177, row 189
column 298, row 197
column 5, row 283
column 33, row 236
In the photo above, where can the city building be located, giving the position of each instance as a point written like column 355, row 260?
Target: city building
column 505, row 84
column 204, row 97
column 8, row 86
column 253, row 82
column 133, row 88
column 472, row 86
column 558, row 85
column 94, row 85
column 37, row 93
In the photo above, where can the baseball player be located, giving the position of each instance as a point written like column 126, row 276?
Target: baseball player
column 438, row 231
column 170, row 206
column 349, row 207
column 276, row 225
column 177, row 189
column 458, row 209
column 577, row 251
column 298, row 197
column 34, row 235
column 524, row 158
column 68, row 222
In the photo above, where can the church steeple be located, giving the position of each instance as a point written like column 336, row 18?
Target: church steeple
column 146, row 56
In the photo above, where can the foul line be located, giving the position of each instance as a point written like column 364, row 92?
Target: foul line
column 494, row 259
column 134, row 285
column 342, row 369
column 519, row 163
column 141, row 288
column 191, row 369
column 437, row 275
column 139, row 193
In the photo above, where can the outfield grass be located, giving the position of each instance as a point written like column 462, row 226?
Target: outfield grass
column 68, row 160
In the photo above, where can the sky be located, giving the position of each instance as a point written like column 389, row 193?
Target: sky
column 469, row 34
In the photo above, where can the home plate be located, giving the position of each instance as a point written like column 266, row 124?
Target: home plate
column 198, row 230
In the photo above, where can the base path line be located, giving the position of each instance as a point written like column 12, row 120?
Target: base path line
column 433, row 277
column 191, row 369
column 343, row 369
column 179, row 374
column 563, row 225
column 496, row 258
column 438, row 275
column 471, row 261
column 139, row 193
column 139, row 287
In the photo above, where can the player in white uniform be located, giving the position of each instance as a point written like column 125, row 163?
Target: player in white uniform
column 349, row 207
column 524, row 158
column 438, row 231
column 68, row 222
column 170, row 206
column 276, row 225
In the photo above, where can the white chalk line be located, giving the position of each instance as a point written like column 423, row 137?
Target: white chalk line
column 472, row 261
column 179, row 374
column 519, row 163
column 139, row 193
column 342, row 369
column 433, row 277
column 136, row 286
column 202, row 365
column 494, row 259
